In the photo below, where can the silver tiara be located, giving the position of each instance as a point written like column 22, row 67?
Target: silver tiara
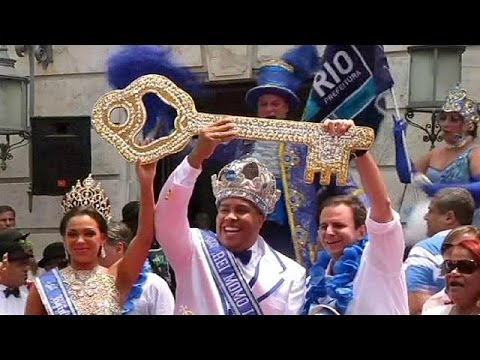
column 249, row 179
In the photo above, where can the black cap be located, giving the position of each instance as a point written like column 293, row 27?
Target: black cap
column 14, row 243
column 12, row 235
column 53, row 251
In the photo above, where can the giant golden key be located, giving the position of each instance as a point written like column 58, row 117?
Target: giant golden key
column 326, row 154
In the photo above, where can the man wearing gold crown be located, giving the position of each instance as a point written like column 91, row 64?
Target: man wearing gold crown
column 234, row 271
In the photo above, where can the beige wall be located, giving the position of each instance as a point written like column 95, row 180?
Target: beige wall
column 73, row 82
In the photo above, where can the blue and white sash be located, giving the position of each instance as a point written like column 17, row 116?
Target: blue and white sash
column 233, row 288
column 54, row 295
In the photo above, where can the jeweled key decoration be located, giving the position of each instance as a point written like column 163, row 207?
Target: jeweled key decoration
column 326, row 154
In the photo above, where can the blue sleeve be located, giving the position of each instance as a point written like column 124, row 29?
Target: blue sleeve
column 403, row 164
column 472, row 187
column 419, row 278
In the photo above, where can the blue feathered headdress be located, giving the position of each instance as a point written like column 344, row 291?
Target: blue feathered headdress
column 285, row 77
column 132, row 62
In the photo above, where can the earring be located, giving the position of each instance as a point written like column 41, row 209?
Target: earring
column 102, row 252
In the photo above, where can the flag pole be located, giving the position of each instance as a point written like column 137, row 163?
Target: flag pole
column 392, row 90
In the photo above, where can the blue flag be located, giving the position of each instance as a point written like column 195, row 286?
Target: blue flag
column 349, row 85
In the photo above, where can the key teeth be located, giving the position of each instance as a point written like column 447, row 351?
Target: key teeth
column 325, row 177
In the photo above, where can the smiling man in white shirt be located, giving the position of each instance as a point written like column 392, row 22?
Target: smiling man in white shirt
column 234, row 271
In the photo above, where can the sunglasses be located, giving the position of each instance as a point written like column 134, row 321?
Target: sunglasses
column 462, row 266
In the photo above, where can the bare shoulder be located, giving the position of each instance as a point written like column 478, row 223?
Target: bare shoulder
column 34, row 303
column 475, row 151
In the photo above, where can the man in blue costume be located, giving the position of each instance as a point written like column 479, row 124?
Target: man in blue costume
column 292, row 227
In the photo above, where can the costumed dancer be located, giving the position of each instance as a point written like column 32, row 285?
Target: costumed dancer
column 456, row 163
column 276, row 96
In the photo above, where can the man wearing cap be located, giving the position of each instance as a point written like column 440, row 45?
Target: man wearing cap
column 54, row 256
column 232, row 272
column 16, row 253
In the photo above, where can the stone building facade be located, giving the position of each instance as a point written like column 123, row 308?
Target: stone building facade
column 75, row 80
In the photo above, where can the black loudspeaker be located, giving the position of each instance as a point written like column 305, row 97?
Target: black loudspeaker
column 61, row 153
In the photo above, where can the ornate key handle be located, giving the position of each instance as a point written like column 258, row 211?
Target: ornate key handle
column 326, row 154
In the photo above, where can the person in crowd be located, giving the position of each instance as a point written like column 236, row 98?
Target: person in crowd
column 16, row 253
column 54, row 256
column 449, row 209
column 7, row 217
column 359, row 272
column 150, row 295
column 461, row 264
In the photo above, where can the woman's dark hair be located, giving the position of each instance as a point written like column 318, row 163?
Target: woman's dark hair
column 84, row 210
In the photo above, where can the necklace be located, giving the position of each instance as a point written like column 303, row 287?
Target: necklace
column 84, row 282
column 93, row 291
column 462, row 141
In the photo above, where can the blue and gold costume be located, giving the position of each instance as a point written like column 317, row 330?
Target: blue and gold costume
column 292, row 227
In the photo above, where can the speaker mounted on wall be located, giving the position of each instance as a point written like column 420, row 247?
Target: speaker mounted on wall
column 61, row 153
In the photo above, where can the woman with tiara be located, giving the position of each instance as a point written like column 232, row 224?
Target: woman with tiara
column 85, row 287
column 455, row 163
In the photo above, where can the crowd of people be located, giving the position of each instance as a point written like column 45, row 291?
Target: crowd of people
column 331, row 252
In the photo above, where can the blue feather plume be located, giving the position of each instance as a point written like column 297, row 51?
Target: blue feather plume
column 132, row 62
column 304, row 59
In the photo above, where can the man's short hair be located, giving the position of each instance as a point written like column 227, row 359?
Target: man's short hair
column 6, row 208
column 119, row 232
column 457, row 200
column 130, row 212
column 353, row 202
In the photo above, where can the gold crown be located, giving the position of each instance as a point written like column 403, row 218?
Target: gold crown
column 88, row 193
column 249, row 179
column 457, row 101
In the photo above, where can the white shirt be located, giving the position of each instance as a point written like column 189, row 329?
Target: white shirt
column 439, row 310
column 13, row 305
column 380, row 287
column 277, row 282
column 156, row 298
